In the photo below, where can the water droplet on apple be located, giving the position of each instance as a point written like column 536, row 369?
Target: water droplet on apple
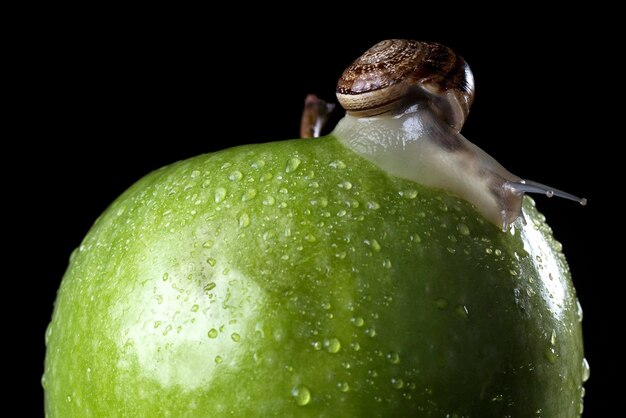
column 337, row 164
column 579, row 311
column 357, row 321
column 341, row 213
column 218, row 359
column 463, row 229
column 415, row 238
column 374, row 244
column 266, row 177
column 220, row 194
column 343, row 386
column 355, row 346
column 195, row 308
column 43, row 381
column 165, row 277
column 586, row 370
column 235, row 175
column 235, row 337
column 301, row 394
column 387, row 263
column 269, row 200
column 244, row 220
column 553, row 338
column 373, row 205
column 370, row 332
column 194, row 174
column 409, row 194
column 332, row 345
column 249, row 195
column 207, row 244
column 292, row 165
column 258, row 164
column 317, row 345
column 346, row 185
column 326, row 305
column 397, row 383
column 212, row 262
column 393, row 357
column 550, row 354
column 212, row 333
column 68, row 399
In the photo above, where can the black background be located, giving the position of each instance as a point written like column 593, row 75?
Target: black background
column 106, row 100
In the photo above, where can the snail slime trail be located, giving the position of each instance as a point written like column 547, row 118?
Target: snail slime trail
column 406, row 102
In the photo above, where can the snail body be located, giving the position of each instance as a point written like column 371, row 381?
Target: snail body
column 406, row 102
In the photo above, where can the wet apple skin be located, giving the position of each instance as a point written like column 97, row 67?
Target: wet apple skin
column 297, row 279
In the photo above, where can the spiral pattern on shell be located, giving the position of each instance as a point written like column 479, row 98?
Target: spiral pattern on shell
column 397, row 71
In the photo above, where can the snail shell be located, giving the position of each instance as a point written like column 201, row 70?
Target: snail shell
column 397, row 71
column 406, row 102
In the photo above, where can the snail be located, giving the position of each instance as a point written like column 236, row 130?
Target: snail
column 406, row 102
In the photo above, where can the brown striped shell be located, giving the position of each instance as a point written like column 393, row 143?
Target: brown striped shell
column 397, row 72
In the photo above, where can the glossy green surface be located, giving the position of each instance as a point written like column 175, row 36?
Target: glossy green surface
column 296, row 279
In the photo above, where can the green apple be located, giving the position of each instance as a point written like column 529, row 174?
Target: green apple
column 297, row 279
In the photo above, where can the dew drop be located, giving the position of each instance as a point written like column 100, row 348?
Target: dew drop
column 218, row 359
column 393, row 357
column 210, row 286
column 387, row 263
column 553, row 338
column 397, row 383
column 220, row 194
column 586, row 370
column 579, row 311
column 165, row 277
column 258, row 164
column 463, row 229
column 416, row 238
column 337, row 164
column 375, row 245
column 357, row 321
column 249, row 195
column 207, row 244
column 316, row 345
column 235, row 175
column 244, row 220
column 310, row 238
column 332, row 345
column 269, row 200
column 235, row 337
column 301, row 394
column 68, row 399
column 343, row 386
column 212, row 262
column 346, row 185
column 409, row 194
column 212, row 333
column 292, row 165
column 266, row 177
column 341, row 213
column 550, row 354
column 373, row 205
